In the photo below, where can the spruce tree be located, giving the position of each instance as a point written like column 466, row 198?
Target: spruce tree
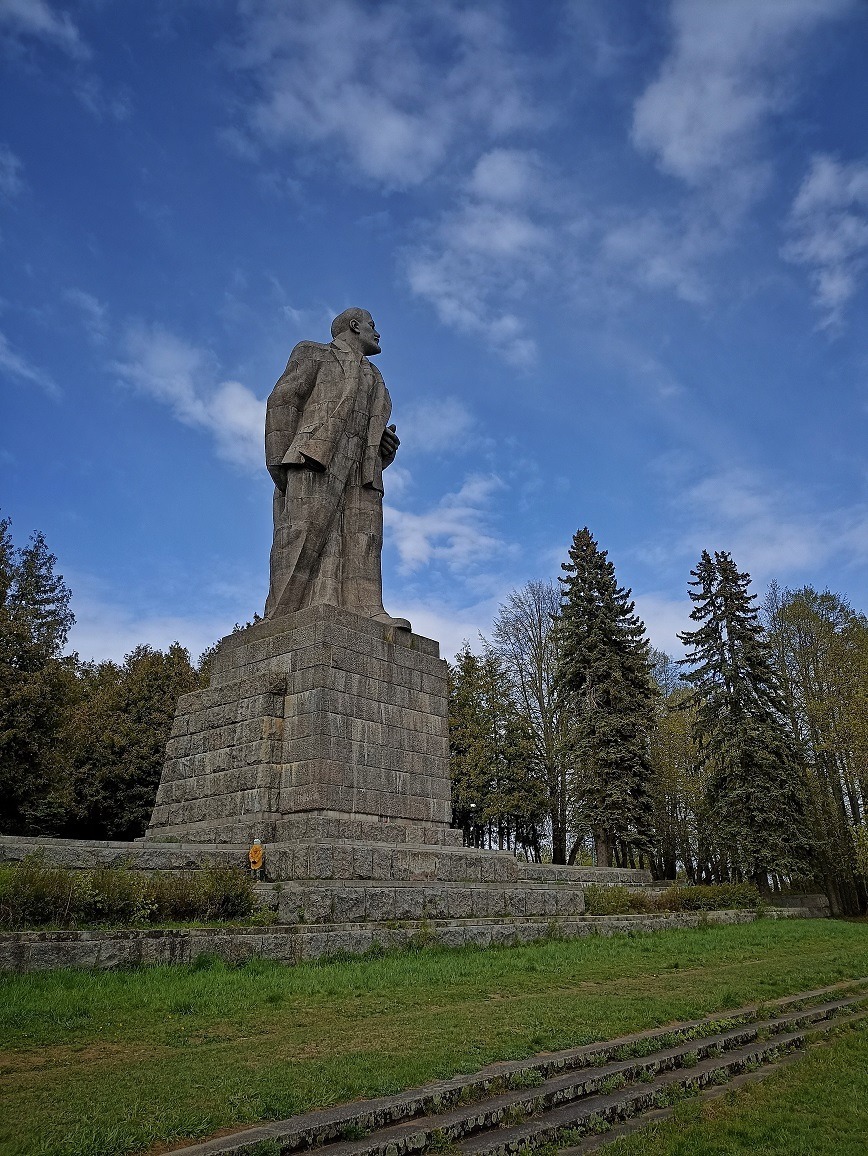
column 498, row 792
column 606, row 688
column 755, row 777
column 34, row 682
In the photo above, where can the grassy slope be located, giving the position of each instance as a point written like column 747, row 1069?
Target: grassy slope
column 816, row 1106
column 114, row 1061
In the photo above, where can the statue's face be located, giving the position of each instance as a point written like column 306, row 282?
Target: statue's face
column 368, row 336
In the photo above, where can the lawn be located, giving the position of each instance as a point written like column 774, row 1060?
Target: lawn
column 816, row 1106
column 116, row 1062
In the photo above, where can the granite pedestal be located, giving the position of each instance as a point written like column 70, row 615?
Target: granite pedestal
column 321, row 715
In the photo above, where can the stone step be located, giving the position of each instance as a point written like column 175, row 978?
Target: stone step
column 599, row 1111
column 518, row 1105
column 311, row 858
column 323, row 902
column 533, row 1107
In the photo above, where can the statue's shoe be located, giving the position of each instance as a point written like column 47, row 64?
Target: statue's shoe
column 388, row 620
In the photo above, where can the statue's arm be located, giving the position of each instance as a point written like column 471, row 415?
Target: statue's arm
column 284, row 410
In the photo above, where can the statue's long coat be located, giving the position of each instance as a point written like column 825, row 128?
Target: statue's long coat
column 327, row 413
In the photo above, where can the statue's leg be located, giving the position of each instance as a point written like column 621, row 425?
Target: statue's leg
column 306, row 518
column 363, row 548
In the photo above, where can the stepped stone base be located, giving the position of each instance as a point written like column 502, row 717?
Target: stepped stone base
column 24, row 951
column 320, row 713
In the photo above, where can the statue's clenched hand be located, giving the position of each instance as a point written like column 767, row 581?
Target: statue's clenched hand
column 389, row 443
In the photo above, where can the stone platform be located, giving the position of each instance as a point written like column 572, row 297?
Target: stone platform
column 325, row 736
column 369, row 883
column 320, row 713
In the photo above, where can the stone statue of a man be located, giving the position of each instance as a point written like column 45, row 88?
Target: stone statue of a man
column 327, row 443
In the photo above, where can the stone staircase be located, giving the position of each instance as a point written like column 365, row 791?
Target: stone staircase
column 573, row 1100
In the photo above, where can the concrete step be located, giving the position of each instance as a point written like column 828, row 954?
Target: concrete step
column 557, row 1098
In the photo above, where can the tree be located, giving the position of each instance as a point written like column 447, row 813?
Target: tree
column 606, row 690
column 498, row 796
column 524, row 640
column 756, row 788
column 114, row 738
column 35, row 620
column 820, row 647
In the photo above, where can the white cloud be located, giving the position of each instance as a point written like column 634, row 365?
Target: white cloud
column 704, row 119
column 393, row 92
column 102, row 104
column 11, row 181
column 727, row 73
column 109, row 630
column 661, row 253
column 41, row 20
column 664, row 617
column 480, row 258
column 450, row 626
column 17, row 365
column 456, row 531
column 770, row 532
column 829, row 232
column 182, row 377
column 436, row 426
column 508, row 175
column 94, row 313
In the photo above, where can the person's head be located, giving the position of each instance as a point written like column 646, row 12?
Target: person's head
column 356, row 327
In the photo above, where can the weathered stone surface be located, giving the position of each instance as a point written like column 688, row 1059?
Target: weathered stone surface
column 327, row 443
column 321, row 713
column 41, row 950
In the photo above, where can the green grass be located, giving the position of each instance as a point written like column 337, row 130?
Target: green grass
column 816, row 1106
column 93, row 1064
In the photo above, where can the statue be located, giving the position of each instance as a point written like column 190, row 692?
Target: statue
column 327, row 443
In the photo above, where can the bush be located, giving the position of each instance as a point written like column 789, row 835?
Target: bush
column 710, row 897
column 618, row 900
column 36, row 894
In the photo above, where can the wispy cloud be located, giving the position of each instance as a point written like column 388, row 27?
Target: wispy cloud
column 94, row 313
column 437, row 426
column 107, row 628
column 702, row 118
column 705, row 120
column 770, row 531
column 392, row 93
column 829, row 232
column 11, row 180
column 481, row 257
column 664, row 617
column 507, row 174
column 43, row 21
column 457, row 531
column 17, row 365
column 183, row 377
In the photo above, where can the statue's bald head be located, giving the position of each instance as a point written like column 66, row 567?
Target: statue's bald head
column 342, row 322
column 355, row 327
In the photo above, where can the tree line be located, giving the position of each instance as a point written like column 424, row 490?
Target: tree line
column 81, row 743
column 572, row 738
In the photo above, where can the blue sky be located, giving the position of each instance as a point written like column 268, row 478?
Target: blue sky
column 617, row 252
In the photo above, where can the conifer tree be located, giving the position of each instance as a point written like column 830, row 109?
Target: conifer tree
column 498, row 793
column 606, row 688
column 755, row 784
column 34, row 680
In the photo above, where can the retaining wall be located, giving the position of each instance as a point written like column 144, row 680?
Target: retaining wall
column 27, row 951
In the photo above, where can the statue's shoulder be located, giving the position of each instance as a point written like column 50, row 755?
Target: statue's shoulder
column 310, row 351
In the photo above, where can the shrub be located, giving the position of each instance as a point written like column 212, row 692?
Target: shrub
column 710, row 897
column 36, row 894
column 618, row 900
